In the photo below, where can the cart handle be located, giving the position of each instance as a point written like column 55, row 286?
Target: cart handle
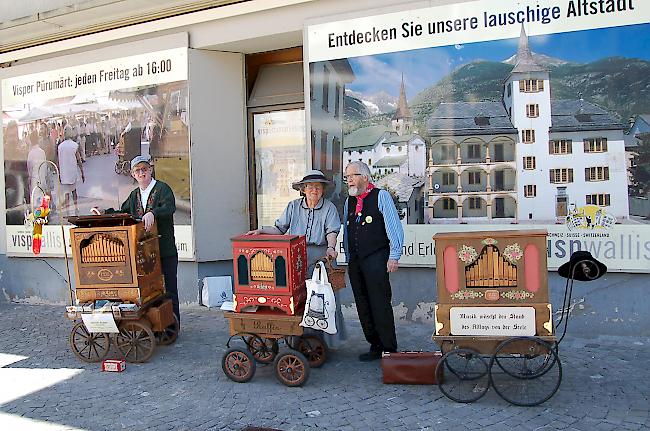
column 148, row 239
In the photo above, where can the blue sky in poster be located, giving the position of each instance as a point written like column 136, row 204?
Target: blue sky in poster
column 424, row 67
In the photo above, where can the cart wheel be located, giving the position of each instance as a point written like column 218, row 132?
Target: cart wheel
column 462, row 375
column 263, row 350
column 291, row 368
column 314, row 349
column 238, row 365
column 126, row 168
column 169, row 334
column 309, row 321
column 118, row 168
column 89, row 347
column 136, row 341
column 529, row 377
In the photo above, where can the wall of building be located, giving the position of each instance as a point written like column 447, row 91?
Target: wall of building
column 613, row 305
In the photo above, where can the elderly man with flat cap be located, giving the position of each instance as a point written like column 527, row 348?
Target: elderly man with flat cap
column 153, row 200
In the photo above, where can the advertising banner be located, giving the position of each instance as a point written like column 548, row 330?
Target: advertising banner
column 112, row 111
column 489, row 115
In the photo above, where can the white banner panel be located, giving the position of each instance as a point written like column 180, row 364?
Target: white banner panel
column 466, row 23
column 19, row 241
column 508, row 321
column 623, row 248
column 119, row 73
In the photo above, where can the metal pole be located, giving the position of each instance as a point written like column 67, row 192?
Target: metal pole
column 58, row 209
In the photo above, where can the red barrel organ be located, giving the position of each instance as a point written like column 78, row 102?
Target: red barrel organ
column 270, row 272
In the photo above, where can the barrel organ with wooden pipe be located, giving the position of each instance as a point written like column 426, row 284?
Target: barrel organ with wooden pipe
column 115, row 258
column 490, row 284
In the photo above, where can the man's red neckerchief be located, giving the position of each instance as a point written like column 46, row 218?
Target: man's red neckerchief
column 360, row 198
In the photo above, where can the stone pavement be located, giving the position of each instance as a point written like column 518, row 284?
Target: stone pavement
column 44, row 387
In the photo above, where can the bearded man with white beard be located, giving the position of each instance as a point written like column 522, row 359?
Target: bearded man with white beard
column 372, row 238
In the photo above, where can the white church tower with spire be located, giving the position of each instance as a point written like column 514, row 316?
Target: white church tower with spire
column 527, row 99
column 402, row 121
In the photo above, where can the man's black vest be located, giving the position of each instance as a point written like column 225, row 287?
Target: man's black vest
column 368, row 234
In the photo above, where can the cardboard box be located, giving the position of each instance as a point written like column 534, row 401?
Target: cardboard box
column 113, row 365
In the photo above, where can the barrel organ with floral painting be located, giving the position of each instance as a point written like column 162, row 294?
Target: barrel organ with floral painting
column 115, row 258
column 491, row 285
column 270, row 272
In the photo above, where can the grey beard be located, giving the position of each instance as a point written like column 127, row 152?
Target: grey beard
column 353, row 191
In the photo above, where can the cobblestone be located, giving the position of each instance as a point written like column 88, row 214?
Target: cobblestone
column 182, row 387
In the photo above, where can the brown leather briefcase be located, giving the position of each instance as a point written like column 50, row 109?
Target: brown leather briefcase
column 410, row 368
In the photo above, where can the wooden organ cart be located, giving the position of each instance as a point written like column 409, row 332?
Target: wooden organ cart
column 493, row 318
column 270, row 272
column 120, row 290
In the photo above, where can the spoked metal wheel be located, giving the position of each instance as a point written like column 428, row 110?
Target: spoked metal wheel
column 462, row 375
column 89, row 347
column 238, row 365
column 136, row 341
column 169, row 334
column 291, row 368
column 126, row 168
column 263, row 350
column 528, row 377
column 314, row 349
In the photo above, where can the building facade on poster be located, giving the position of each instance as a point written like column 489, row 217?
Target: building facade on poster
column 507, row 159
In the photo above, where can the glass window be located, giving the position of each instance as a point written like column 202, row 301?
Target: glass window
column 530, row 190
column 528, row 136
column 474, row 151
column 280, row 157
column 532, row 110
column 597, row 173
column 595, row 145
column 600, row 199
column 529, row 162
column 475, row 177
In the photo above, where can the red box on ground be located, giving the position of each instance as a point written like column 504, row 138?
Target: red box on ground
column 113, row 365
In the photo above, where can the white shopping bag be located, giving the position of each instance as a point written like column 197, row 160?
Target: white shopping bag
column 320, row 309
column 215, row 291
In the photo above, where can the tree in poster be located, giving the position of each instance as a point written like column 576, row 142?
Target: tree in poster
column 641, row 170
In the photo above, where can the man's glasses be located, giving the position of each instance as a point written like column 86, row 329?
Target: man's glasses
column 345, row 177
column 141, row 170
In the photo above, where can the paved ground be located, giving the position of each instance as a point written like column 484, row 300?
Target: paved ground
column 43, row 386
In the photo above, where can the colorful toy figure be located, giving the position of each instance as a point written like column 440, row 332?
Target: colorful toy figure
column 39, row 218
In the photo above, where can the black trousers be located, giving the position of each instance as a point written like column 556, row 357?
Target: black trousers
column 170, row 269
column 372, row 294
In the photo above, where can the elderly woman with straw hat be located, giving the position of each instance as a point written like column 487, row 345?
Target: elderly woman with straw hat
column 311, row 215
column 318, row 220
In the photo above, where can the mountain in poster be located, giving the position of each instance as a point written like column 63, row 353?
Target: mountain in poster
column 620, row 85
